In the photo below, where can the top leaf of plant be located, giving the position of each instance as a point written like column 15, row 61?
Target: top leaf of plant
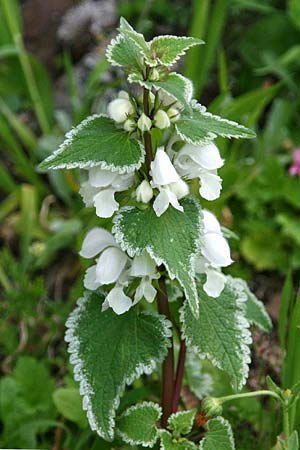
column 97, row 142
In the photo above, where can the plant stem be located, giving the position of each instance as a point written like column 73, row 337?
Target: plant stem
column 147, row 135
column 12, row 22
column 179, row 376
column 247, row 395
column 168, row 364
column 286, row 424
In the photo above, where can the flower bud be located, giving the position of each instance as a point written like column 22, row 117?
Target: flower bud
column 161, row 119
column 180, row 188
column 119, row 109
column 129, row 125
column 144, row 192
column 154, row 76
column 173, row 114
column 212, row 406
column 124, row 95
column 144, row 123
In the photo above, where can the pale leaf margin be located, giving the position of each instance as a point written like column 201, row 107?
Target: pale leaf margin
column 210, row 134
column 188, row 86
column 170, row 37
column 132, row 251
column 127, row 413
column 190, row 414
column 245, row 335
column 226, row 426
column 101, row 164
column 85, row 389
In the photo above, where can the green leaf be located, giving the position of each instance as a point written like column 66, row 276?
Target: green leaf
column 34, row 383
column 182, row 421
column 294, row 12
column 137, row 425
column 174, row 84
column 255, row 310
column 68, row 403
column 171, row 239
column 168, row 442
column 221, row 332
column 139, row 41
column 293, row 442
column 219, row 435
column 109, row 352
column 201, row 126
column 123, row 52
column 168, row 49
column 97, row 142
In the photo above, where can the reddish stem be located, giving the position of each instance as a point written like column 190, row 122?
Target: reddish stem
column 168, row 364
column 179, row 376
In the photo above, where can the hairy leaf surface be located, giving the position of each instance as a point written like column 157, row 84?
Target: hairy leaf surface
column 168, row 49
column 172, row 239
column 110, row 351
column 219, row 436
column 97, row 142
column 169, row 443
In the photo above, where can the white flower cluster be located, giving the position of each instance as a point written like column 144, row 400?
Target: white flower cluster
column 113, row 266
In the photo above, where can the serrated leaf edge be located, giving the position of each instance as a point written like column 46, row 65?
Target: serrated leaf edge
column 210, row 134
column 120, row 239
column 126, row 413
column 243, row 326
column 259, row 304
column 85, row 388
column 101, row 164
column 109, row 49
column 183, row 413
column 228, row 428
column 182, row 53
column 162, row 447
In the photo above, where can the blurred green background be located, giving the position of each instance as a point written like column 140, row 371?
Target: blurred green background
column 53, row 73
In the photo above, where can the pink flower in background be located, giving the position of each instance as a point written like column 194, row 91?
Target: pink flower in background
column 295, row 167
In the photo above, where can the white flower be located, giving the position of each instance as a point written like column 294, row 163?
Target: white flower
column 168, row 182
column 144, row 192
column 154, row 76
column 215, row 254
column 144, row 123
column 100, row 189
column 117, row 300
column 143, row 266
column 120, row 108
column 201, row 162
column 129, row 125
column 111, row 262
column 161, row 119
column 173, row 114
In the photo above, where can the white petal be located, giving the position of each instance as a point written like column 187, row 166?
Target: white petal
column 162, row 170
column 144, row 123
column 174, row 202
column 95, row 241
column 180, row 188
column 123, row 182
column 211, row 223
column 105, row 203
column 161, row 203
column 144, row 192
column 211, row 185
column 215, row 282
column 88, row 193
column 149, row 291
column 101, row 177
column 90, row 281
column 216, row 250
column 206, row 156
column 118, row 301
column 110, row 265
column 161, row 119
column 119, row 109
column 142, row 265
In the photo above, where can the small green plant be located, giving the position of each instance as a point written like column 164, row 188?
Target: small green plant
column 146, row 163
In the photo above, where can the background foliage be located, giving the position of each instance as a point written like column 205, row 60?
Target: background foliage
column 248, row 71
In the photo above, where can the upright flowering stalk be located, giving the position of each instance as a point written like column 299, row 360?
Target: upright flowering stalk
column 139, row 163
